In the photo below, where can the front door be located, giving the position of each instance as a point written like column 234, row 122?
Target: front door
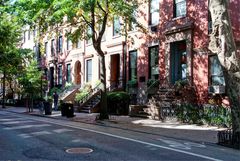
column 51, row 77
column 115, row 69
column 178, row 60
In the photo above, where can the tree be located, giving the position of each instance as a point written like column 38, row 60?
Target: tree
column 31, row 81
column 222, row 42
column 9, row 39
column 82, row 16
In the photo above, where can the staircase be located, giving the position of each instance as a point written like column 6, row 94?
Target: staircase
column 90, row 103
column 69, row 94
column 160, row 106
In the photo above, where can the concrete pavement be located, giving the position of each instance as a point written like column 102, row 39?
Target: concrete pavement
column 172, row 129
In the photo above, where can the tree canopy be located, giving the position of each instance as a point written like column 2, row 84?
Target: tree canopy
column 79, row 17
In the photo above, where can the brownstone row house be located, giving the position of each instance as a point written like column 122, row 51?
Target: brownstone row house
column 174, row 48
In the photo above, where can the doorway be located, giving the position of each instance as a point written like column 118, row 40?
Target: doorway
column 51, row 77
column 78, row 73
column 115, row 70
column 178, row 61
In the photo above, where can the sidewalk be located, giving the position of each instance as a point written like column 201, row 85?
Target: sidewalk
column 170, row 129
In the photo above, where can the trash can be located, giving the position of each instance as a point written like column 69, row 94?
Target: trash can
column 47, row 108
column 63, row 109
column 69, row 109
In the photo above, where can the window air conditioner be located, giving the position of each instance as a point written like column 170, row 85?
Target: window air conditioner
column 216, row 89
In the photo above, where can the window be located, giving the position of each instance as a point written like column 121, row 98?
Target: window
column 24, row 36
column 69, row 44
column 216, row 72
column 89, row 70
column 179, row 8
column 52, row 47
column 29, row 34
column 35, row 50
column 133, row 24
column 46, row 48
column 38, row 50
column 78, row 43
column 154, row 12
column 153, row 62
column 68, row 75
column 89, row 36
column 60, row 44
column 209, row 23
column 132, row 65
column 34, row 32
column 60, row 75
column 116, row 26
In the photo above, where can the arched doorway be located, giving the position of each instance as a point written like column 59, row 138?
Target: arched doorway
column 77, row 73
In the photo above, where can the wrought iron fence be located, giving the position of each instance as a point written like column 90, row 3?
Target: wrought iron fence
column 229, row 139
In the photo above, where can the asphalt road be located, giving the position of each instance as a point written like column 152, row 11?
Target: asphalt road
column 33, row 138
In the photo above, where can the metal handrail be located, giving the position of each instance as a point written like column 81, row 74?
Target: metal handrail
column 153, row 84
column 89, row 94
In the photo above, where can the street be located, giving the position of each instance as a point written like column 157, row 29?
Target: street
column 25, row 137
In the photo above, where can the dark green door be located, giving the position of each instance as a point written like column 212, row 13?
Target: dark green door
column 178, row 63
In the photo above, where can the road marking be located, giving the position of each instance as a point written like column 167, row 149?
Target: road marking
column 16, row 122
column 76, row 140
column 129, row 139
column 40, row 133
column 134, row 140
column 185, row 145
column 13, row 119
column 25, row 127
column 25, row 136
column 61, row 130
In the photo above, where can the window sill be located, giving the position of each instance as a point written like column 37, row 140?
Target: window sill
column 179, row 17
column 116, row 36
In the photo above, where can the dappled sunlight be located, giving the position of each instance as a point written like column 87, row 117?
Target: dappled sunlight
column 173, row 125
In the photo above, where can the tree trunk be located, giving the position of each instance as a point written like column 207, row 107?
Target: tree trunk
column 103, row 110
column 222, row 43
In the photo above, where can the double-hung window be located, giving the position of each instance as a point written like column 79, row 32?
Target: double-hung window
column 133, row 65
column 154, row 12
column 68, row 75
column 60, row 44
column 53, row 47
column 69, row 44
column 89, row 36
column 216, row 72
column 46, row 48
column 153, row 62
column 116, row 26
column 60, row 75
column 89, row 70
column 180, row 8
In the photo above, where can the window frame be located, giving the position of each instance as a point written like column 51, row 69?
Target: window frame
column 60, row 44
column 215, row 75
column 60, row 75
column 68, row 73
column 151, row 13
column 88, row 72
column 130, row 64
column 175, row 8
column 46, row 48
column 53, row 47
column 156, row 64
column 115, row 24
